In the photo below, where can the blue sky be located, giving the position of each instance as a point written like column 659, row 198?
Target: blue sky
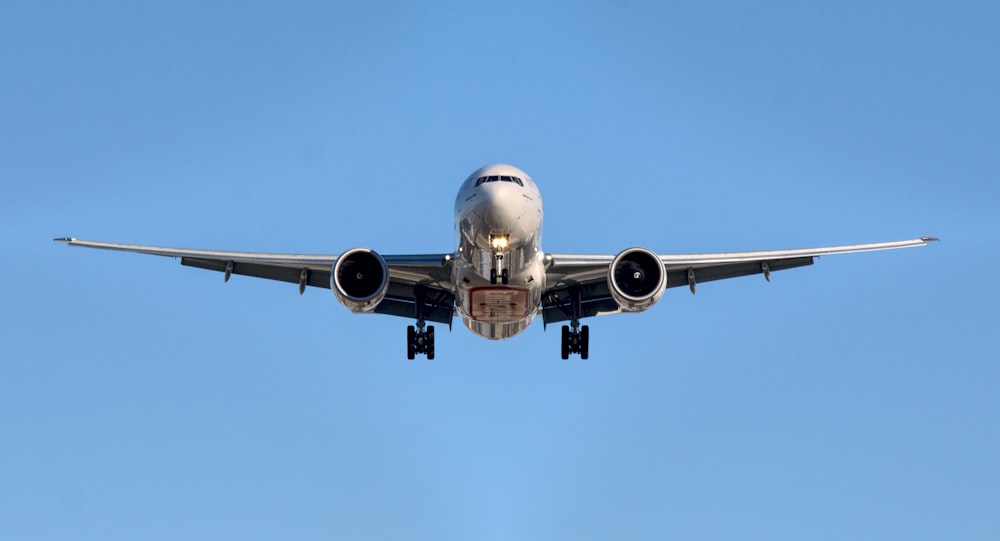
column 854, row 399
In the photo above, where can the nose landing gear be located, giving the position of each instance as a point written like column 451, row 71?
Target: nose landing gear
column 504, row 276
column 498, row 271
column 499, row 244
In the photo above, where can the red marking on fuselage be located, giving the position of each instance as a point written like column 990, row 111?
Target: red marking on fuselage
column 498, row 303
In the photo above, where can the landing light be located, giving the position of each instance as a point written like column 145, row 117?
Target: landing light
column 499, row 242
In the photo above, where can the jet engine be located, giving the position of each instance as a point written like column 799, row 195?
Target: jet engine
column 636, row 279
column 360, row 279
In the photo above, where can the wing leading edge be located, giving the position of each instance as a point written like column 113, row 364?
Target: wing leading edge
column 426, row 277
column 586, row 275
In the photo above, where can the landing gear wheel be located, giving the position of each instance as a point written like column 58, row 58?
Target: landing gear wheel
column 504, row 277
column 429, row 343
column 411, row 342
column 565, row 342
column 420, row 338
column 574, row 341
column 493, row 276
column 420, row 342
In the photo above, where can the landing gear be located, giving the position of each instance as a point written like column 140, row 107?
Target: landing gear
column 498, row 270
column 504, row 276
column 575, row 338
column 499, row 242
column 420, row 341
column 576, row 341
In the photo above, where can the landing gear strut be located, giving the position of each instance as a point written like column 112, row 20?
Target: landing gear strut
column 418, row 340
column 575, row 338
column 503, row 274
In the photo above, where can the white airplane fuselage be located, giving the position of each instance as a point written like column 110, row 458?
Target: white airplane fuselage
column 499, row 271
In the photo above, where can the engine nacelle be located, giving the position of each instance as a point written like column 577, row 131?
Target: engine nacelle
column 360, row 279
column 636, row 279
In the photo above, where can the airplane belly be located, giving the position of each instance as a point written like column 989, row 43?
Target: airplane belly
column 497, row 312
column 497, row 303
column 496, row 331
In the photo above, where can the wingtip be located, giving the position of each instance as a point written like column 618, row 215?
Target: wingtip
column 64, row 239
column 930, row 239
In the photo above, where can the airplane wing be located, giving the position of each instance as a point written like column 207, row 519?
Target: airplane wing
column 587, row 274
column 428, row 275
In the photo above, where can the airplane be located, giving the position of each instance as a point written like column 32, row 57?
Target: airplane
column 498, row 278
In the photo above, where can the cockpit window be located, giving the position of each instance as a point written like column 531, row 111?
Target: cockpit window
column 499, row 178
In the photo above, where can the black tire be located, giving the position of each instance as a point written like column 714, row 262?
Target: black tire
column 505, row 276
column 565, row 342
column 585, row 342
column 411, row 348
column 429, row 342
column 493, row 276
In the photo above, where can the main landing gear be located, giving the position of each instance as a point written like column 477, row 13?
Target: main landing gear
column 420, row 341
column 576, row 340
column 420, row 338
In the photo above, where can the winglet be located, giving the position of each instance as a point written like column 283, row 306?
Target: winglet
column 929, row 239
column 64, row 239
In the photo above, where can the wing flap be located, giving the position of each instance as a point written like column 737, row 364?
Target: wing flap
column 595, row 295
column 678, row 277
column 316, row 277
column 402, row 298
column 595, row 299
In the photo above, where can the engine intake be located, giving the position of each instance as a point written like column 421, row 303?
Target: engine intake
column 360, row 279
column 636, row 279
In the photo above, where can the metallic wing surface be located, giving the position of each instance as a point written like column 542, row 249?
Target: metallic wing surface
column 584, row 279
column 427, row 275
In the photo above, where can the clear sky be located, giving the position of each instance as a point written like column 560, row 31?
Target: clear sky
column 854, row 399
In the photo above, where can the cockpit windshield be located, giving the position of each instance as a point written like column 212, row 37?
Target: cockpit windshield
column 499, row 178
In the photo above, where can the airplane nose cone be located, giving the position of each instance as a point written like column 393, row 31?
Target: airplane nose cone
column 498, row 207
